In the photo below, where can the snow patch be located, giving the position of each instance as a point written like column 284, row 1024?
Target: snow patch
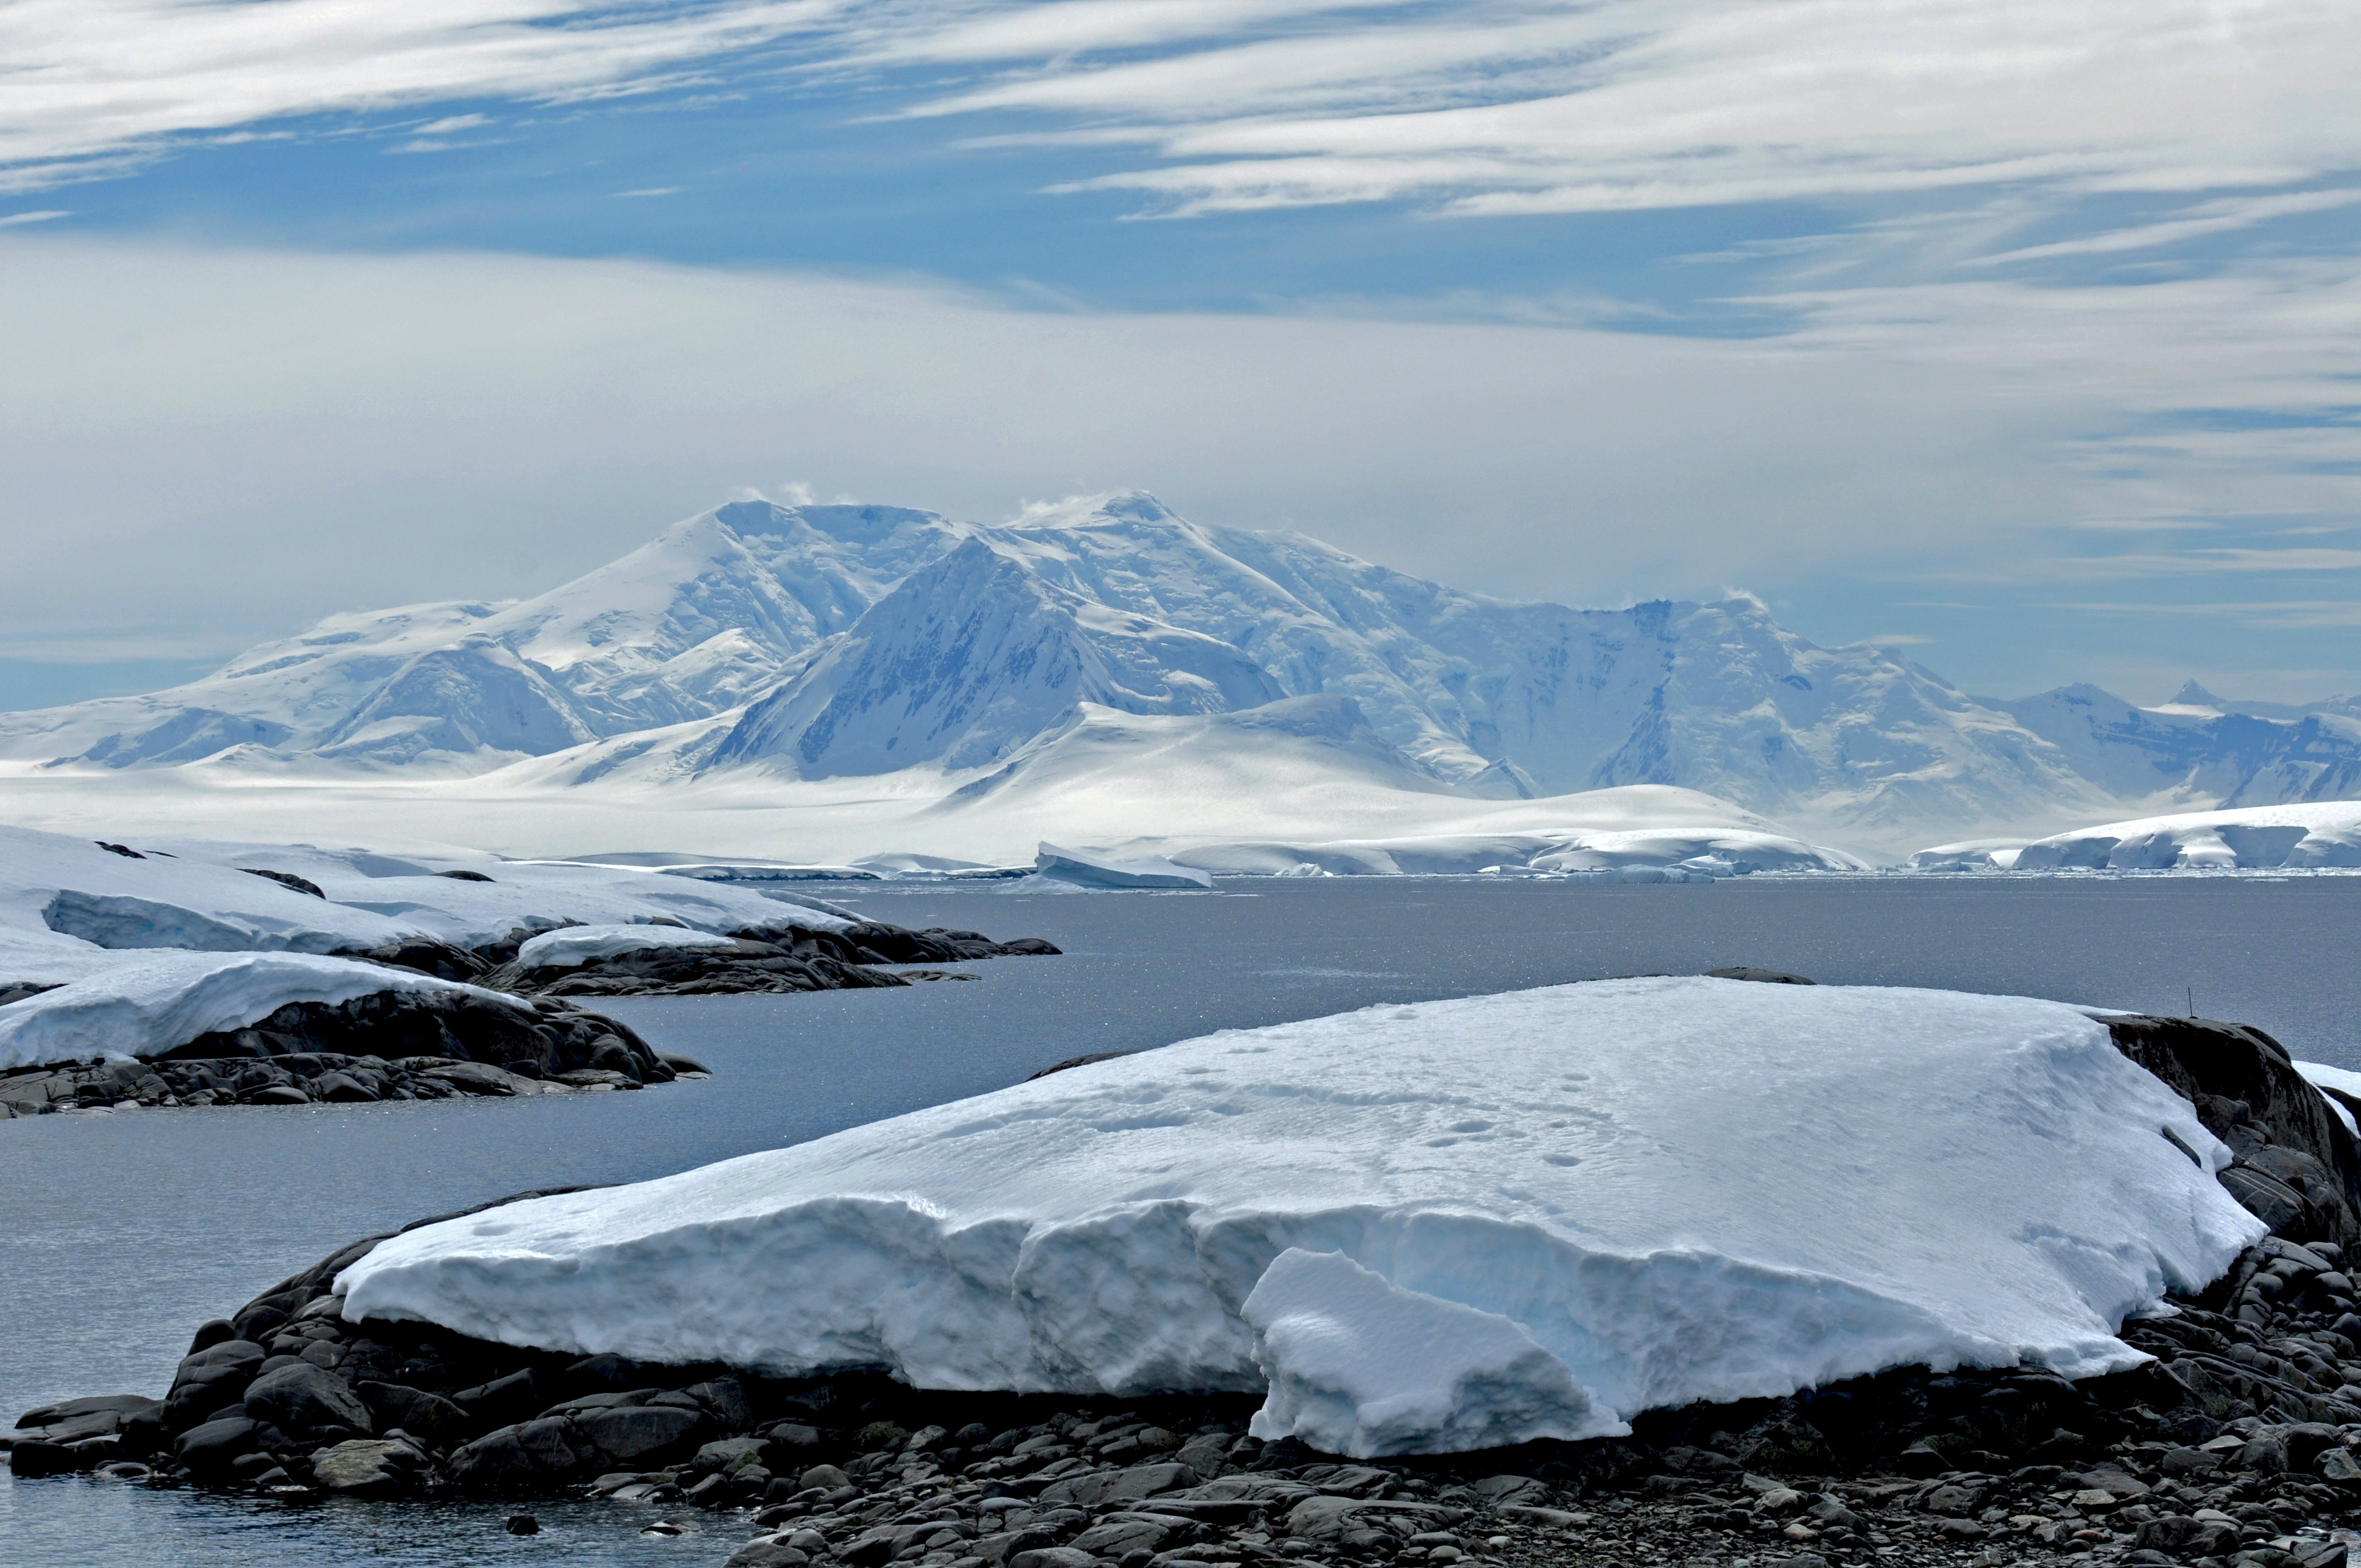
column 1677, row 1189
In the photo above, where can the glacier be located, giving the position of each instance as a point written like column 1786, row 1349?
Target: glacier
column 1572, row 1204
column 835, row 656
column 2318, row 837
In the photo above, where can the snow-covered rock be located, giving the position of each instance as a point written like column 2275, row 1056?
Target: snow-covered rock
column 147, row 1003
column 577, row 945
column 1080, row 870
column 2311, row 837
column 67, row 906
column 1671, row 1190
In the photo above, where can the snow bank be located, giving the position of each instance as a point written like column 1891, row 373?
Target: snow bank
column 1675, row 1190
column 146, row 1004
column 578, row 945
column 2257, row 838
column 1084, row 869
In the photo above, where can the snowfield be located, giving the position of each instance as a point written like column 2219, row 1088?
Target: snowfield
column 1418, row 1228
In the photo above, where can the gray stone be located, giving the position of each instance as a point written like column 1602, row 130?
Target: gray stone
column 824, row 1475
column 208, row 1450
column 726, row 1398
column 476, row 1078
column 1123, row 1534
column 1052, row 1557
column 367, row 1467
column 1528, row 1513
column 635, row 1431
column 71, row 1421
column 1332, row 1519
column 766, row 1554
column 301, row 1398
column 1117, row 1485
column 729, row 1455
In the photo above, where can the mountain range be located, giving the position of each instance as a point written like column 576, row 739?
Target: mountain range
column 811, row 643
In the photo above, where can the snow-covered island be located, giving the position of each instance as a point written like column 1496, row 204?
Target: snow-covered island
column 191, row 972
column 1666, row 1245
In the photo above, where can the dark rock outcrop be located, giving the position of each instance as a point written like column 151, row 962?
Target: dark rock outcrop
column 2296, row 1167
column 774, row 958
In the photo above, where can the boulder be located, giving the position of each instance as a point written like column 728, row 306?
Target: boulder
column 368, row 1467
column 209, row 1450
column 302, row 1398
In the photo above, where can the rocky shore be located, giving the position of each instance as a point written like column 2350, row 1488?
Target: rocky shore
column 2237, row 1446
column 2241, row 1444
column 430, row 1046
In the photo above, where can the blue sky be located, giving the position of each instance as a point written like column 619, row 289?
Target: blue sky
column 2025, row 341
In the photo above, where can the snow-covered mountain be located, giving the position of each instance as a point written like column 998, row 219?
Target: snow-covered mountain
column 818, row 642
column 2197, row 748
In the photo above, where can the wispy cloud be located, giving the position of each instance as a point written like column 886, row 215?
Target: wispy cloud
column 2303, row 615
column 2194, row 222
column 15, row 219
column 1467, row 106
column 652, row 191
column 95, row 82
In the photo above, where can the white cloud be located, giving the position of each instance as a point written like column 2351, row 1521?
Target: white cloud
column 94, row 81
column 2219, row 216
column 1469, row 106
column 197, row 439
column 1493, row 107
column 17, row 220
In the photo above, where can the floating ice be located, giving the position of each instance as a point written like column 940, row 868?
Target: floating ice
column 1084, row 869
column 1675, row 1190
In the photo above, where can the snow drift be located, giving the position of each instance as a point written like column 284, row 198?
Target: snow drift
column 1418, row 1228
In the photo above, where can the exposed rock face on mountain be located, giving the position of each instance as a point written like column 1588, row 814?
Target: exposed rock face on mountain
column 830, row 641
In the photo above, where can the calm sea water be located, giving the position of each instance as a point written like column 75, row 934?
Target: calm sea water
column 123, row 1231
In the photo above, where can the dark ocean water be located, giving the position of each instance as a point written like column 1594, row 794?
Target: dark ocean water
column 124, row 1231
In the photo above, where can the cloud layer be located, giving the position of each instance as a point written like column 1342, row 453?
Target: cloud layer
column 1472, row 107
column 229, row 443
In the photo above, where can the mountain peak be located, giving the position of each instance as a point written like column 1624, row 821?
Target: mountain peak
column 1108, row 509
column 2191, row 694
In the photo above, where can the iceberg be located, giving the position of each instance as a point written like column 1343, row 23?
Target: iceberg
column 1418, row 1229
column 1082, row 870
